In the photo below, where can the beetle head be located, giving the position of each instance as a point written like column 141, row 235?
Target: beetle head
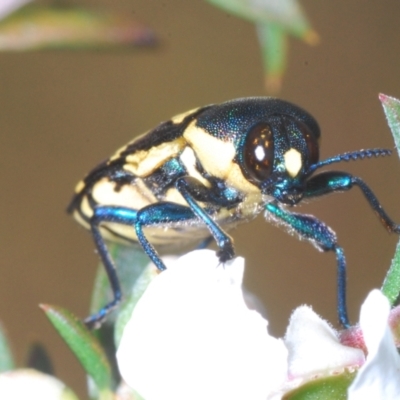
column 276, row 155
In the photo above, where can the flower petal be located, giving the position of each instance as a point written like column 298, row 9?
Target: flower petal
column 314, row 347
column 379, row 377
column 191, row 336
column 32, row 384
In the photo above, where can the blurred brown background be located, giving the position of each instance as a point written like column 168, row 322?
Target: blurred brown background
column 63, row 112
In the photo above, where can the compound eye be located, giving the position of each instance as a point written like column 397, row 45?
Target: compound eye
column 311, row 142
column 258, row 152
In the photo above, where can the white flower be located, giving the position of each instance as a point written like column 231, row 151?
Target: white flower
column 379, row 377
column 314, row 346
column 191, row 336
column 27, row 384
column 314, row 351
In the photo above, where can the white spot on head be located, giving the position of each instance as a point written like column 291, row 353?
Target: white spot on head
column 293, row 162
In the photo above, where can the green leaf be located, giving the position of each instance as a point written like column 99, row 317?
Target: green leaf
column 273, row 41
column 328, row 388
column 391, row 284
column 6, row 358
column 275, row 21
column 84, row 345
column 287, row 13
column 130, row 262
column 391, row 107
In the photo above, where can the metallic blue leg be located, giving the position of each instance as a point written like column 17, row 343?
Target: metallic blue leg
column 386, row 221
column 110, row 214
column 205, row 243
column 341, row 287
column 189, row 189
column 319, row 234
column 333, row 181
column 155, row 214
column 152, row 215
column 159, row 213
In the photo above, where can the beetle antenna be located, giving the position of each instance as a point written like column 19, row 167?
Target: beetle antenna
column 350, row 156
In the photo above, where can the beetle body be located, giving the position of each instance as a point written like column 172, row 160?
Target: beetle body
column 202, row 172
column 204, row 144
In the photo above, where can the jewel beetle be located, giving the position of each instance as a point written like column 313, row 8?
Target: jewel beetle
column 194, row 177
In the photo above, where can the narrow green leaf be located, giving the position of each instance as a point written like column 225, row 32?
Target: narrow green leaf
column 84, row 345
column 287, row 13
column 391, row 284
column 275, row 21
column 328, row 388
column 273, row 41
column 391, row 107
column 6, row 358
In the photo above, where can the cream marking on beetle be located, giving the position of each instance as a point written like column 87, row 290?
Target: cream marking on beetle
column 177, row 119
column 80, row 186
column 216, row 157
column 235, row 178
column 135, row 195
column 86, row 208
column 118, row 153
column 293, row 162
column 144, row 162
column 79, row 218
column 145, row 191
column 188, row 159
column 174, row 234
column 119, row 233
column 174, row 196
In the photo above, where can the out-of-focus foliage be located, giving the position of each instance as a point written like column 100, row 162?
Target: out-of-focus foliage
column 7, row 7
column 85, row 346
column 391, row 285
column 6, row 357
column 38, row 27
column 275, row 21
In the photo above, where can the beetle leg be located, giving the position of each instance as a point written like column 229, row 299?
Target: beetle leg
column 310, row 228
column 110, row 214
column 190, row 189
column 151, row 215
column 205, row 243
column 158, row 214
column 333, row 181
